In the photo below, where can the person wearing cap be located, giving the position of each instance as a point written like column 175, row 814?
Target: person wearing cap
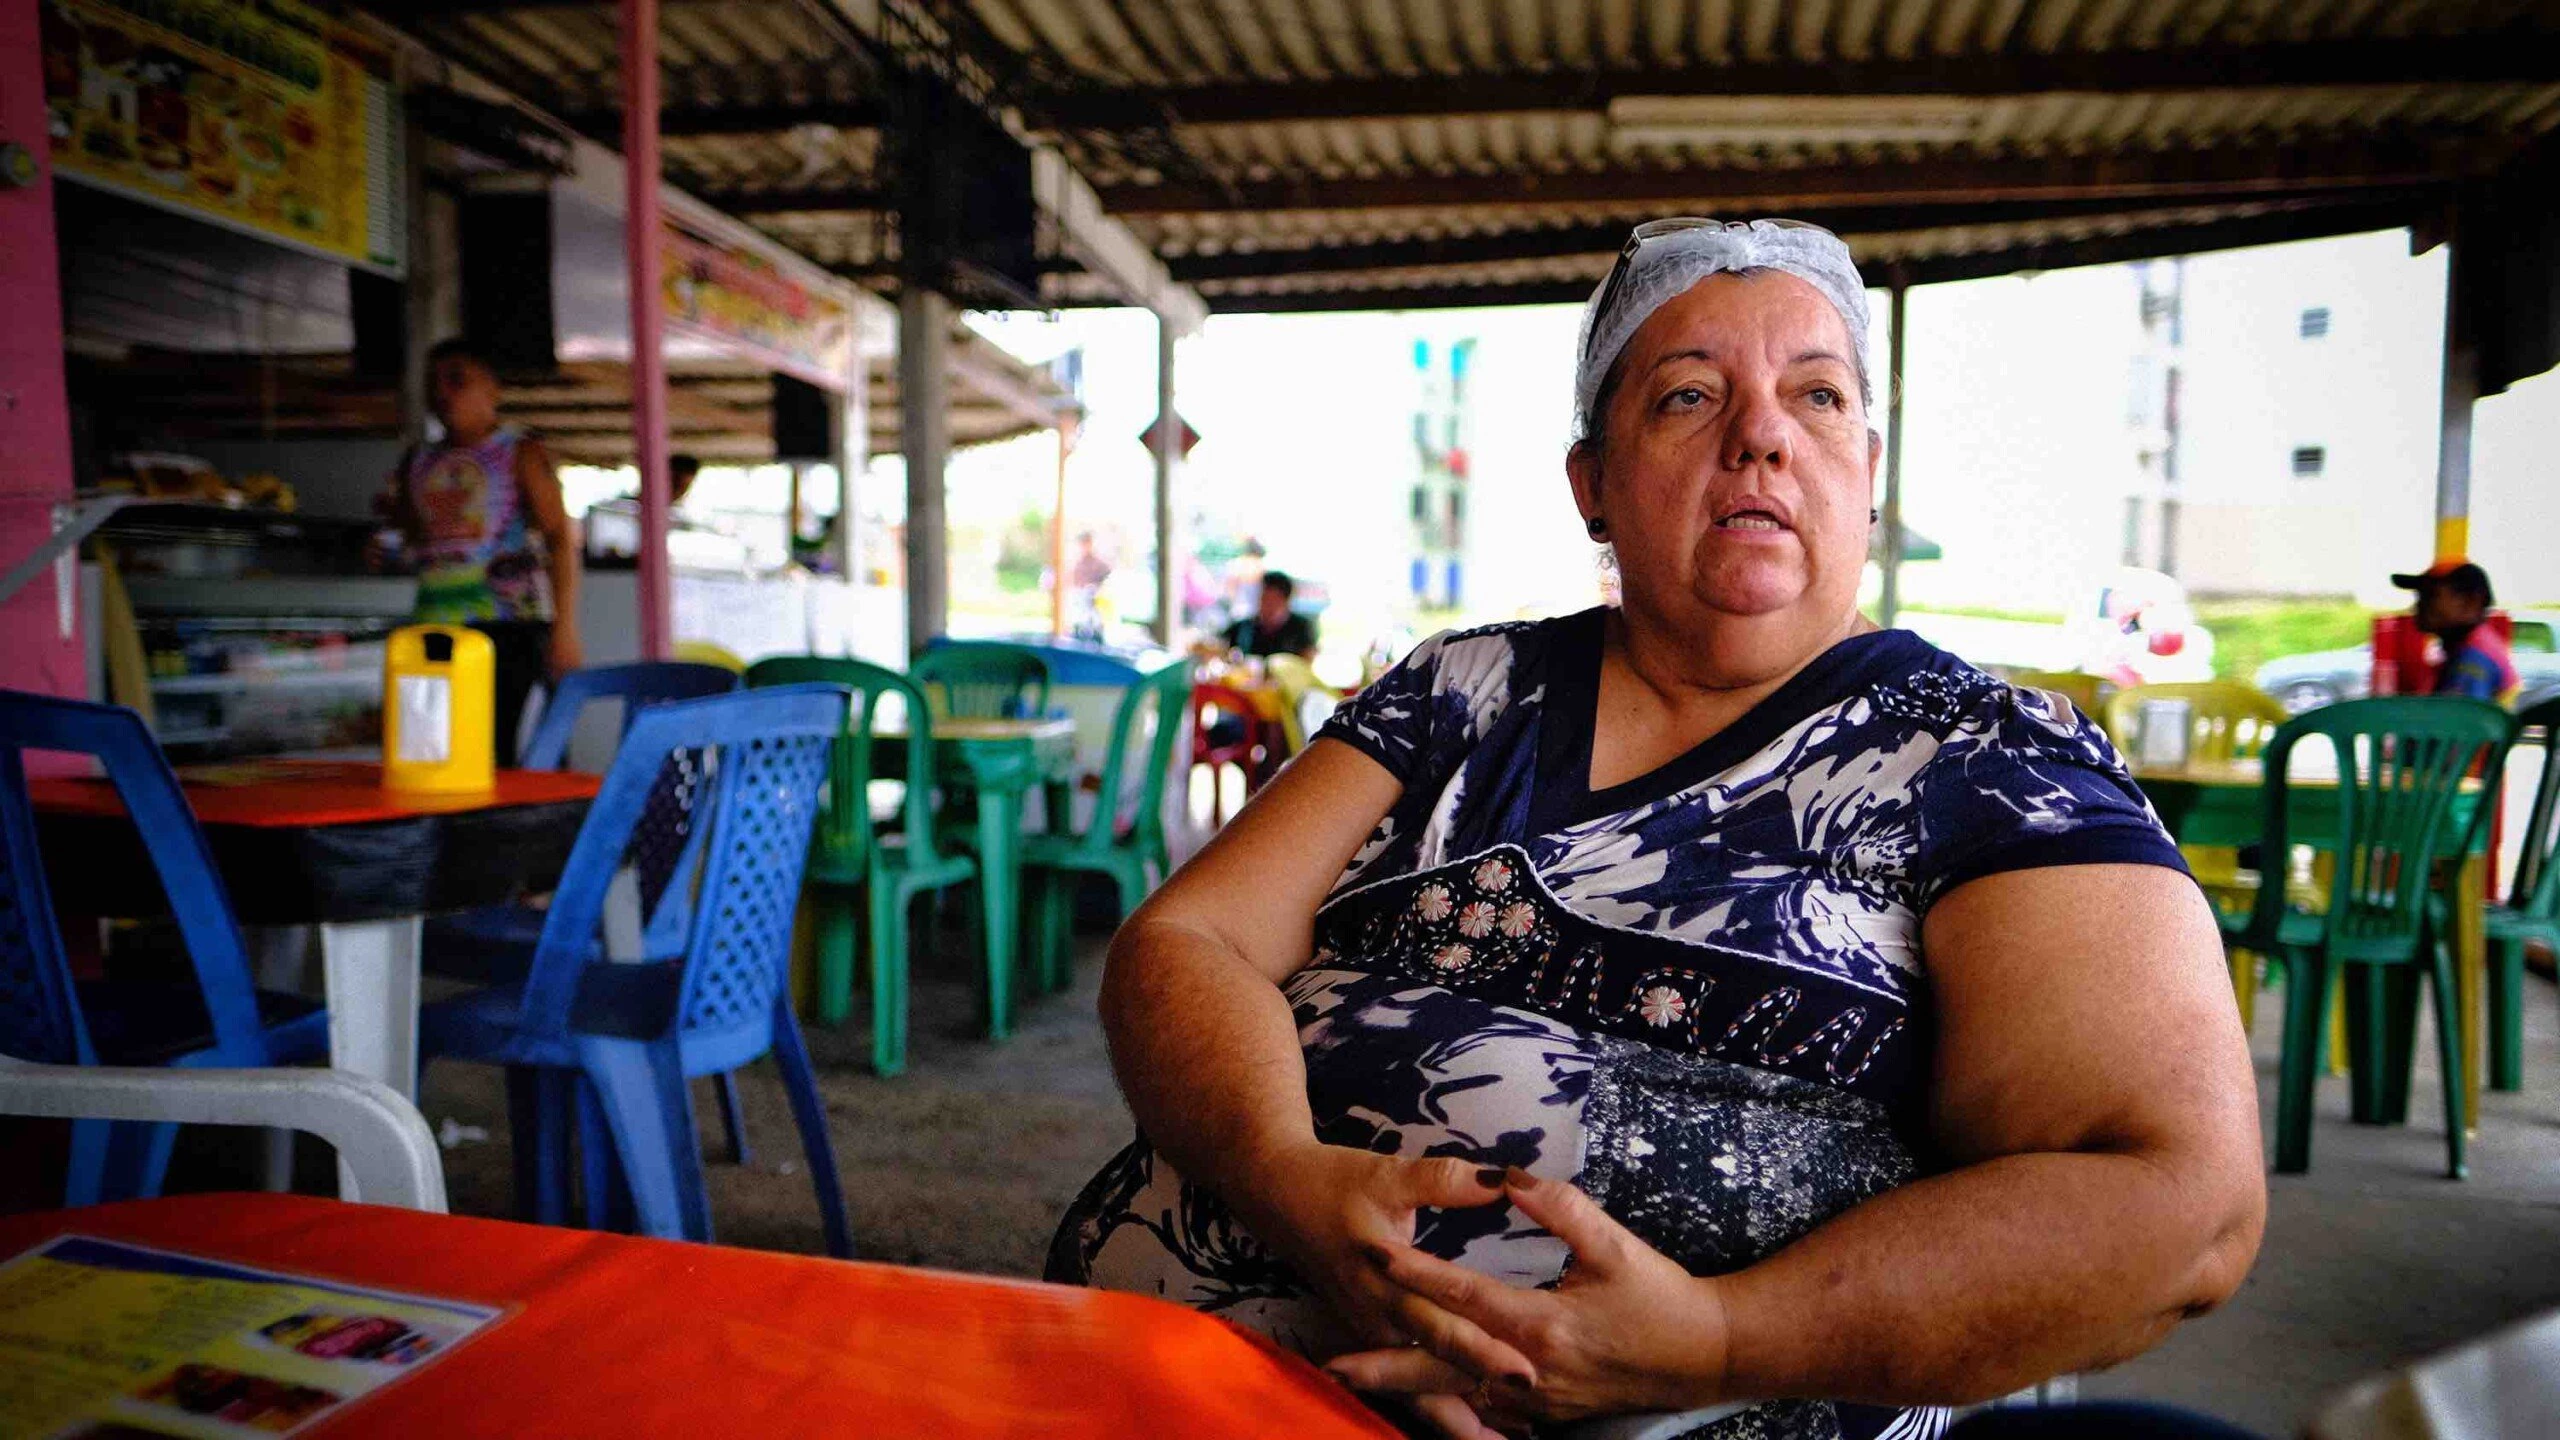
column 2453, row 602
column 1711, row 1005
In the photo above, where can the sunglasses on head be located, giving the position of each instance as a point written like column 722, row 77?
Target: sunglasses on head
column 1655, row 230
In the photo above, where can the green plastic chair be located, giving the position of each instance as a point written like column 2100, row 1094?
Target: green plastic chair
column 2401, row 764
column 986, row 682
column 1052, row 863
column 848, row 854
column 2532, row 911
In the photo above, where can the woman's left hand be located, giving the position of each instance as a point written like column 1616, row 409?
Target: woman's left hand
column 1627, row 1330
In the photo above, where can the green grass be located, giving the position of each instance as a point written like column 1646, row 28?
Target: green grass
column 2246, row 633
column 1989, row 612
column 2249, row 633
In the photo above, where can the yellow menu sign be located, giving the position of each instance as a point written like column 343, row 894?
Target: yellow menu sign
column 261, row 115
column 102, row 1340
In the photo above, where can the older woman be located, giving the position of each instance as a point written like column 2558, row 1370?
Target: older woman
column 1714, row 1005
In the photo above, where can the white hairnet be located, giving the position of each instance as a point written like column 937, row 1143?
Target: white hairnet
column 1666, row 266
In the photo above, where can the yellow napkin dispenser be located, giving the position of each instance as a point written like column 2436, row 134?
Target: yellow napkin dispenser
column 439, row 702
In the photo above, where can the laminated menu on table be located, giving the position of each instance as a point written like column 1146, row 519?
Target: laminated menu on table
column 100, row 1339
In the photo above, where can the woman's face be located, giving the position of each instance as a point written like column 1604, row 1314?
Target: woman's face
column 1737, row 465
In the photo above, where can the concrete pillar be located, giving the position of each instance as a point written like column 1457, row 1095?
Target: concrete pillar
column 924, row 427
column 1058, row 533
column 1889, row 606
column 1168, row 455
column 643, row 257
column 39, row 626
column 853, row 459
column 2453, row 425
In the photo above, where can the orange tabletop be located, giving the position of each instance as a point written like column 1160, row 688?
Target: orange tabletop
column 299, row 794
column 320, row 841
column 609, row 1335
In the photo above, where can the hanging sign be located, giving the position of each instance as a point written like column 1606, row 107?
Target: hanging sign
column 1184, row 438
column 742, row 300
column 260, row 115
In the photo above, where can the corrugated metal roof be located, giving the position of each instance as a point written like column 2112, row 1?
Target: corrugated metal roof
column 1309, row 145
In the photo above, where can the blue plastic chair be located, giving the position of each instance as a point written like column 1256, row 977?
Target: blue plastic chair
column 496, row 942
column 638, row 686
column 45, row 1015
column 710, row 992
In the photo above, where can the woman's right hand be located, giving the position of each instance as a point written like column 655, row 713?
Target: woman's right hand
column 1342, row 1215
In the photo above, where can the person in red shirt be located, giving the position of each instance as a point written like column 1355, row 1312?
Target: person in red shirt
column 2453, row 602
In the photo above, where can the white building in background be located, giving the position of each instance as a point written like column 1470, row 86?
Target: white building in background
column 2306, row 445
column 2021, row 454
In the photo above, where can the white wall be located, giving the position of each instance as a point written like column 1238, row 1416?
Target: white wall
column 2016, row 456
column 2367, row 394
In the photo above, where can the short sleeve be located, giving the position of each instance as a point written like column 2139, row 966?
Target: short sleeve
column 2031, row 784
column 1390, row 719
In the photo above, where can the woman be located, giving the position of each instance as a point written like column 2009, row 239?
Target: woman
column 1843, row 1013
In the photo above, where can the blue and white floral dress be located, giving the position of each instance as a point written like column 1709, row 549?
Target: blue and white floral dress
column 1699, row 995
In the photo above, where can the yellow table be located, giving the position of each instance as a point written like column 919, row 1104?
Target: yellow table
column 2221, row 802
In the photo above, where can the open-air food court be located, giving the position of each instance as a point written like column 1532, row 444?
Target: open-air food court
column 1572, row 718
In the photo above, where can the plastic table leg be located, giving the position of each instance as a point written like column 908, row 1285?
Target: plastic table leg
column 371, row 971
column 1000, row 887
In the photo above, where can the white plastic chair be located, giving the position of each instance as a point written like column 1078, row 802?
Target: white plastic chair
column 381, row 1139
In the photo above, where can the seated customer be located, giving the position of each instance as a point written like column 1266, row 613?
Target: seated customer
column 1842, row 1013
column 1273, row 628
column 2453, row 603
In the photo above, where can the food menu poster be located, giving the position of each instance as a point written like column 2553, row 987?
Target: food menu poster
column 260, row 115
column 101, row 1340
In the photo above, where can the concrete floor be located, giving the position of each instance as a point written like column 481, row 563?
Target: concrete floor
column 966, row 1162
column 2373, row 1257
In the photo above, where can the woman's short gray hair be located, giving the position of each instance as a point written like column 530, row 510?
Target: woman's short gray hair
column 1664, row 266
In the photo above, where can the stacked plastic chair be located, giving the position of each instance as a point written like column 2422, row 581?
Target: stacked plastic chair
column 496, row 943
column 710, row 991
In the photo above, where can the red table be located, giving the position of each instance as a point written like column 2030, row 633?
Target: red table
column 614, row 1336
column 321, row 842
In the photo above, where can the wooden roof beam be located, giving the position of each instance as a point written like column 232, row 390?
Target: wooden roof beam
column 1556, row 242
column 2195, row 175
column 2520, row 55
column 2151, row 244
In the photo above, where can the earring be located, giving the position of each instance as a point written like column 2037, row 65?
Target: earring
column 1874, row 515
column 1596, row 527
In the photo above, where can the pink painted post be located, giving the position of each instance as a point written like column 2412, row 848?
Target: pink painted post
column 37, row 650
column 641, row 239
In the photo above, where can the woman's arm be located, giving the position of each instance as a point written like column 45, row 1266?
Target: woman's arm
column 2093, row 1091
column 1206, row 1051
column 2094, row 1088
column 1201, row 1038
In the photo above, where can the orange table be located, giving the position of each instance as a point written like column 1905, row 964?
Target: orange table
column 613, row 1336
column 321, row 842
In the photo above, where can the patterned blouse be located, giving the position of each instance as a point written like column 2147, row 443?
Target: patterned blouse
column 1700, row 995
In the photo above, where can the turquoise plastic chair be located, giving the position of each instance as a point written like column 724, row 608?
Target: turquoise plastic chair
column 850, row 855
column 2401, row 766
column 981, row 681
column 1136, row 859
column 2532, row 911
